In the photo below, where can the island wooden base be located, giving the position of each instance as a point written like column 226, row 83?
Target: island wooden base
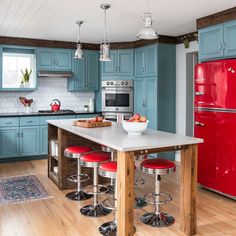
column 68, row 166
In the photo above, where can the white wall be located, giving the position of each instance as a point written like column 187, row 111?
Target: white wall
column 48, row 89
column 181, row 87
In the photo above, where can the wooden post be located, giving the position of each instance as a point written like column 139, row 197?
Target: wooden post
column 188, row 190
column 125, row 195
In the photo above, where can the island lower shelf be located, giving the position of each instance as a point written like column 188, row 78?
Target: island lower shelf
column 67, row 166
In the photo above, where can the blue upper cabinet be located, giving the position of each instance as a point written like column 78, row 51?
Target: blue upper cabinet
column 211, row 42
column 53, row 59
column 146, row 61
column 86, row 73
column 109, row 67
column 230, row 39
column 92, row 70
column 218, row 41
column 121, row 64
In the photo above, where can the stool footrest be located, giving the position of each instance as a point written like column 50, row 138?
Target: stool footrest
column 153, row 197
column 138, row 181
column 88, row 189
column 109, row 203
column 74, row 178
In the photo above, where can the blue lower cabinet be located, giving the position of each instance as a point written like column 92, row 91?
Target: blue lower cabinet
column 9, row 142
column 85, row 116
column 43, row 140
column 29, row 141
column 66, row 117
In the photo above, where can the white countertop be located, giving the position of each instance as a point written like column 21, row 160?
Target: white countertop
column 115, row 137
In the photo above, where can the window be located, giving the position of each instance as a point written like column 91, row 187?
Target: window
column 12, row 64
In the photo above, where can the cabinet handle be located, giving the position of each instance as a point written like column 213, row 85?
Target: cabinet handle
column 199, row 124
column 53, row 62
column 199, row 93
column 18, row 135
column 224, row 45
column 144, row 104
column 30, row 121
column 8, row 123
column 117, row 68
column 220, row 46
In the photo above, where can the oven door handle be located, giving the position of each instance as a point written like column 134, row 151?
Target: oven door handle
column 117, row 89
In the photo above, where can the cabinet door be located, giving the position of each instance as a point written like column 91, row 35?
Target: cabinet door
column 230, row 39
column 110, row 67
column 77, row 82
column 29, row 141
column 211, row 43
column 139, row 96
column 9, row 142
column 43, row 140
column 139, row 62
column 92, row 68
column 63, row 59
column 151, row 101
column 125, row 62
column 150, row 60
column 45, row 58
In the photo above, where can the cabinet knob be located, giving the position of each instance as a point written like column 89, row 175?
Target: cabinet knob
column 199, row 93
column 199, row 123
column 220, row 46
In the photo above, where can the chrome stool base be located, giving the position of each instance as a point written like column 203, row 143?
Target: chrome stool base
column 157, row 220
column 110, row 189
column 108, row 228
column 78, row 196
column 94, row 210
column 140, row 202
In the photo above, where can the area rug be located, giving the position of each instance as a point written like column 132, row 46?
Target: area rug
column 20, row 189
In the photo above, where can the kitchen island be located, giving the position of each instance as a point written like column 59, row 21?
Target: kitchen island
column 127, row 147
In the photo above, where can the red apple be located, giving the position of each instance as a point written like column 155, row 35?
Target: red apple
column 143, row 119
column 136, row 116
column 99, row 119
column 136, row 120
column 131, row 119
column 94, row 119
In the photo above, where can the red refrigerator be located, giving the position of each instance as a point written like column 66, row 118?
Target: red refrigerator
column 215, row 122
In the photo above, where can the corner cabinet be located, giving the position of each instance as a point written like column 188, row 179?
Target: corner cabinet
column 86, row 73
column 121, row 64
column 53, row 59
column 218, row 41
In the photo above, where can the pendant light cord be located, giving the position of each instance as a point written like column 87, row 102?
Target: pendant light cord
column 79, row 34
column 104, row 26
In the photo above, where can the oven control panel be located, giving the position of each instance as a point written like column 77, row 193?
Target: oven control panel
column 117, row 83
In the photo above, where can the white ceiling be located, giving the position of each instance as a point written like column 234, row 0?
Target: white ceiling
column 55, row 19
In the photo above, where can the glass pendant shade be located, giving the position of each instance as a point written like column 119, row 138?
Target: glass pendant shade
column 79, row 53
column 147, row 32
column 105, row 45
column 105, row 51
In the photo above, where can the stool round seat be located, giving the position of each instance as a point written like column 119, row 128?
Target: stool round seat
column 158, row 166
column 94, row 159
column 76, row 151
column 108, row 169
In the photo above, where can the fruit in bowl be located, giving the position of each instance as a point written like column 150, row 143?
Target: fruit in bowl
column 135, row 125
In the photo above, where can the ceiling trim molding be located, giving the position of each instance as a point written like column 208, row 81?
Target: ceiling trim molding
column 193, row 36
column 217, row 18
column 88, row 46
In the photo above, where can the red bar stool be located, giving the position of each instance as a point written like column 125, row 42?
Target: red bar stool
column 109, row 170
column 157, row 167
column 93, row 160
column 113, row 153
column 75, row 152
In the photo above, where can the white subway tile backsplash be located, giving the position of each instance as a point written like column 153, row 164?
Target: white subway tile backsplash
column 48, row 89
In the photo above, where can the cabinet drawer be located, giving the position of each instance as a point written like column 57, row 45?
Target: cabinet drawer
column 43, row 119
column 9, row 121
column 29, row 121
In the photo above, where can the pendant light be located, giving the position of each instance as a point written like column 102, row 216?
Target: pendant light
column 147, row 32
column 79, row 53
column 105, row 45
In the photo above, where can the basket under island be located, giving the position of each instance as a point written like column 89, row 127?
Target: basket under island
column 151, row 141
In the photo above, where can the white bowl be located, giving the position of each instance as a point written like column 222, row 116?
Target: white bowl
column 134, row 128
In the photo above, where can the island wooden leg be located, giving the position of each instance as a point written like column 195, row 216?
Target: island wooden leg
column 188, row 190
column 125, row 195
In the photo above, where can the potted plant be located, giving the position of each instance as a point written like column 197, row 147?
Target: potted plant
column 26, row 77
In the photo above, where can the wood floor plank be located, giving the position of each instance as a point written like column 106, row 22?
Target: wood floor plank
column 60, row 217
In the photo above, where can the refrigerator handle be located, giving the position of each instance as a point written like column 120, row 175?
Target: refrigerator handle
column 199, row 123
column 199, row 93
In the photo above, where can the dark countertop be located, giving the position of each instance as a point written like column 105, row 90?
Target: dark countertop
column 10, row 114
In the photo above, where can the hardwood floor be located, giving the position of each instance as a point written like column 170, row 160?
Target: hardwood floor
column 60, row 217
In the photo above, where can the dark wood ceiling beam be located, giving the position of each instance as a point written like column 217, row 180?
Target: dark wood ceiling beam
column 217, row 18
